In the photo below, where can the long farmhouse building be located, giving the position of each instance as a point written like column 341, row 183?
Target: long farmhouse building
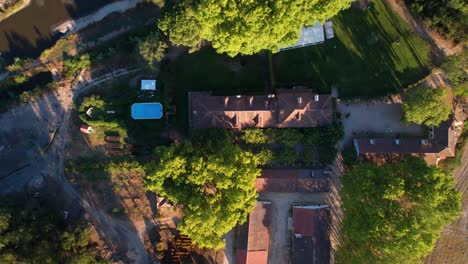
column 438, row 145
column 292, row 108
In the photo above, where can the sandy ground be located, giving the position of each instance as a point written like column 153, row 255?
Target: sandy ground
column 381, row 119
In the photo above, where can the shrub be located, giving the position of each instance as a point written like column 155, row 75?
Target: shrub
column 73, row 66
column 285, row 155
column 254, row 136
column 286, row 136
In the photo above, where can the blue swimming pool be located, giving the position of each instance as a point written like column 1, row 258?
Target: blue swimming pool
column 147, row 111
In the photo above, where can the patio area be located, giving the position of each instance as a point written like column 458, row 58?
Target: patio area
column 360, row 119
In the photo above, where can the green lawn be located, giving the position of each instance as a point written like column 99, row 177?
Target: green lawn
column 120, row 95
column 205, row 70
column 374, row 53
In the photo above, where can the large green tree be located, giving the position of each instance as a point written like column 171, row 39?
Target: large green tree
column 214, row 185
column 394, row 213
column 245, row 26
column 455, row 69
column 426, row 106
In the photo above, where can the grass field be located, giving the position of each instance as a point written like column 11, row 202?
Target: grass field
column 206, row 70
column 374, row 53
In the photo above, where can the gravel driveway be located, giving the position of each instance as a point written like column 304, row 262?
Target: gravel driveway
column 382, row 119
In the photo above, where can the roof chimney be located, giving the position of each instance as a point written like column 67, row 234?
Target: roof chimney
column 251, row 99
column 316, row 98
column 226, row 101
column 299, row 100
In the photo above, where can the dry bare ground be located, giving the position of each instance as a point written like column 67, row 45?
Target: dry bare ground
column 25, row 130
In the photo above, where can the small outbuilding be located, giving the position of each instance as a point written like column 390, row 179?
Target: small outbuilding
column 148, row 85
column 86, row 129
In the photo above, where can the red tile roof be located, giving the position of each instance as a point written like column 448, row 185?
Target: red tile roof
column 441, row 145
column 290, row 180
column 311, row 243
column 304, row 222
column 254, row 236
column 257, row 257
column 286, row 108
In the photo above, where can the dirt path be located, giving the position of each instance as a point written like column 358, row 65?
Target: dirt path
column 440, row 46
column 24, row 132
column 76, row 25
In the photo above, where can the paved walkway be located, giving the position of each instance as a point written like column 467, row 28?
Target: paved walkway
column 76, row 25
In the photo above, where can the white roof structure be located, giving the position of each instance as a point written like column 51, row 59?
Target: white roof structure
column 314, row 34
column 309, row 36
column 329, row 33
column 148, row 85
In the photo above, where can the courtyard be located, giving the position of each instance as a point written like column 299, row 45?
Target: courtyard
column 379, row 119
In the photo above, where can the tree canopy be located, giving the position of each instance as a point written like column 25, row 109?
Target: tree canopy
column 245, row 26
column 455, row 69
column 394, row 213
column 31, row 233
column 426, row 106
column 448, row 17
column 213, row 185
column 151, row 49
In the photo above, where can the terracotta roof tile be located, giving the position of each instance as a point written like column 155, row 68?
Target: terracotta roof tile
column 287, row 108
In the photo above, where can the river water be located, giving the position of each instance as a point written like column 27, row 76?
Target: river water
column 28, row 32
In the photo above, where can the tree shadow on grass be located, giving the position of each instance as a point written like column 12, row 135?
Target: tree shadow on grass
column 369, row 57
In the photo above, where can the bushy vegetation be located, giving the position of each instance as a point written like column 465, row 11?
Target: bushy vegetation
column 455, row 69
column 319, row 143
column 21, row 88
column 99, row 115
column 426, row 106
column 32, row 233
column 448, row 17
column 395, row 213
column 10, row 7
column 73, row 66
column 254, row 136
column 18, row 64
column 451, row 164
column 151, row 49
column 245, row 27
column 213, row 182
